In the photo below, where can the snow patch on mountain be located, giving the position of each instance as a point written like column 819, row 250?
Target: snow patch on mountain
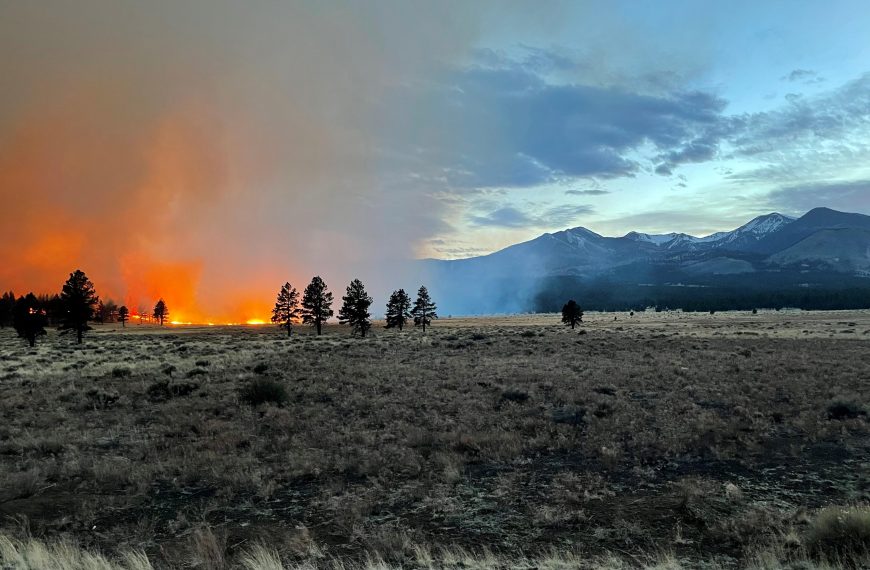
column 656, row 239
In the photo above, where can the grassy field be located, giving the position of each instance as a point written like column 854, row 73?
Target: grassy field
column 656, row 440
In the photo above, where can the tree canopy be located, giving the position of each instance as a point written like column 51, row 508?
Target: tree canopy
column 29, row 318
column 123, row 315
column 424, row 309
column 398, row 309
column 316, row 304
column 572, row 314
column 286, row 310
column 355, row 308
column 161, row 311
column 79, row 300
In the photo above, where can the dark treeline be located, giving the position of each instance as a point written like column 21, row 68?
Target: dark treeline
column 70, row 311
column 734, row 296
column 315, row 308
column 78, row 304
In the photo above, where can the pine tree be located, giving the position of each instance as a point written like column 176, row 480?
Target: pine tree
column 286, row 309
column 111, row 311
column 424, row 309
column 161, row 311
column 316, row 304
column 355, row 308
column 398, row 309
column 123, row 315
column 572, row 313
column 79, row 300
column 29, row 319
column 7, row 304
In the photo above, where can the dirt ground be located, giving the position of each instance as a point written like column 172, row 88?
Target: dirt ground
column 710, row 437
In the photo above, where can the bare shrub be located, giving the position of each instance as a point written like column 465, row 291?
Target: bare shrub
column 265, row 391
column 840, row 533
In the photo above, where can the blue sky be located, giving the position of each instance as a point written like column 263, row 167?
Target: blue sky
column 652, row 116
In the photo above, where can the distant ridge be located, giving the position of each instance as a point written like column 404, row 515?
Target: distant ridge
column 823, row 250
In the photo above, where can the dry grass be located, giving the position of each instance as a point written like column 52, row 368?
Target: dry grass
column 661, row 432
column 33, row 554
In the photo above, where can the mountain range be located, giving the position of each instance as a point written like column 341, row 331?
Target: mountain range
column 819, row 254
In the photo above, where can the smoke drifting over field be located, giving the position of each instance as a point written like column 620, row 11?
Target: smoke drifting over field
column 205, row 151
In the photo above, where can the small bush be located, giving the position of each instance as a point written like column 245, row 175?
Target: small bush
column 101, row 399
column 840, row 533
column 264, row 391
column 163, row 390
column 121, row 372
column 527, row 334
column 573, row 416
column 261, row 368
column 202, row 363
column 478, row 336
column 514, row 396
column 196, row 372
column 845, row 409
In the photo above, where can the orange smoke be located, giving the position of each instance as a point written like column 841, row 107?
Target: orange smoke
column 125, row 198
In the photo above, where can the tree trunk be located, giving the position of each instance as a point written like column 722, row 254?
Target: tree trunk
column 79, row 335
column 318, row 327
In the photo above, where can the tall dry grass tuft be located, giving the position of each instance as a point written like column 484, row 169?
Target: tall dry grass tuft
column 261, row 557
column 840, row 533
column 33, row 554
column 207, row 550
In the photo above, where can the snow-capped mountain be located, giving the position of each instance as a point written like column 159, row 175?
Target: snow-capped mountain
column 767, row 252
column 751, row 231
column 754, row 230
column 655, row 239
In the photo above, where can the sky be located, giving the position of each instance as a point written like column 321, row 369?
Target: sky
column 207, row 151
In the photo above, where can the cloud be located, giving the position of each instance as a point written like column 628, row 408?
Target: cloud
column 809, row 137
column 564, row 215
column 511, row 217
column 504, row 123
column 806, row 76
column 593, row 192
column 851, row 196
column 505, row 217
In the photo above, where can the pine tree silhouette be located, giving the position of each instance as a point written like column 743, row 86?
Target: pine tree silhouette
column 316, row 304
column 123, row 315
column 286, row 309
column 424, row 309
column 398, row 310
column 7, row 304
column 572, row 313
column 161, row 311
column 79, row 300
column 29, row 319
column 355, row 308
